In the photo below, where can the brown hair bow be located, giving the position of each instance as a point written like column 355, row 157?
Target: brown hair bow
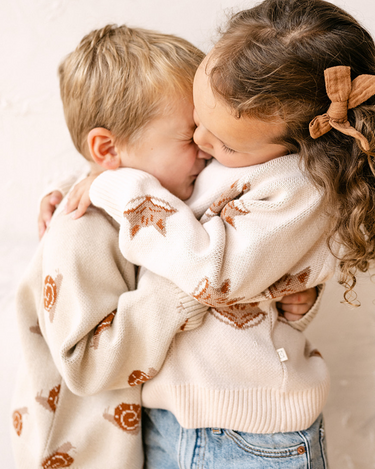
column 344, row 94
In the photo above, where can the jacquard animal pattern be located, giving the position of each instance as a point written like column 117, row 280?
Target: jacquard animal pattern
column 212, row 296
column 288, row 284
column 17, row 418
column 60, row 458
column 139, row 377
column 234, row 192
column 126, row 417
column 101, row 327
column 51, row 401
column 148, row 211
column 233, row 210
column 240, row 316
column 50, row 293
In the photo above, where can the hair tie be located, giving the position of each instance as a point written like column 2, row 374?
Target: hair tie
column 344, row 94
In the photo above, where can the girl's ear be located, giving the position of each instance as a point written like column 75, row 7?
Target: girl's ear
column 102, row 148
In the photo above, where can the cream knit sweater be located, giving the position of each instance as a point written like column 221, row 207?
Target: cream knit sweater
column 88, row 340
column 261, row 234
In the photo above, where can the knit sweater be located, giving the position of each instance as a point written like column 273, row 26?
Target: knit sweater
column 261, row 234
column 89, row 339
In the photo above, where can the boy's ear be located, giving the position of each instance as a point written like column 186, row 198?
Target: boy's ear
column 102, row 148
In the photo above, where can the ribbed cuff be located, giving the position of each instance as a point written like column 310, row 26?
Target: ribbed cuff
column 194, row 312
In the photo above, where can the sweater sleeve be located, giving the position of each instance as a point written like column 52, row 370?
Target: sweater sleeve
column 101, row 334
column 264, row 226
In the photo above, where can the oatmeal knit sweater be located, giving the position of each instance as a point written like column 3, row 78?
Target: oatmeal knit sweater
column 89, row 339
column 249, row 236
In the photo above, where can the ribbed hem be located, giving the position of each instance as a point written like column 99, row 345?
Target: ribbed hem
column 112, row 190
column 249, row 410
column 194, row 311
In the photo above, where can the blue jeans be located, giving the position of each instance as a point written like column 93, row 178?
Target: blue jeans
column 167, row 445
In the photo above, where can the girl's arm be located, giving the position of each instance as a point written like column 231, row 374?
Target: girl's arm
column 266, row 230
column 101, row 334
column 52, row 196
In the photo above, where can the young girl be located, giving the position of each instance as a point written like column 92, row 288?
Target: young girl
column 284, row 104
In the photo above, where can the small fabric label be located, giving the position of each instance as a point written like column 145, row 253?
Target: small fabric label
column 282, row 354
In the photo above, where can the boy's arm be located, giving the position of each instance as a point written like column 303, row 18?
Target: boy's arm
column 259, row 231
column 100, row 334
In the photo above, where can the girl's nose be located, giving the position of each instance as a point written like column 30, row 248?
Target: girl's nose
column 201, row 138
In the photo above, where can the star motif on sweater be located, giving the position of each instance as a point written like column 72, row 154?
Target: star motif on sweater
column 211, row 296
column 240, row 316
column 232, row 210
column 148, row 211
column 288, row 284
column 235, row 191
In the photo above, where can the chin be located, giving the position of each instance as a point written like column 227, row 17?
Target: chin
column 186, row 194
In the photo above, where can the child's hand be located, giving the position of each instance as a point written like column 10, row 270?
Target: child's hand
column 294, row 307
column 47, row 208
column 79, row 197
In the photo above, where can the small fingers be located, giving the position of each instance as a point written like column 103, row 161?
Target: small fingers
column 83, row 205
column 306, row 296
column 55, row 198
column 293, row 317
column 41, row 228
column 301, row 308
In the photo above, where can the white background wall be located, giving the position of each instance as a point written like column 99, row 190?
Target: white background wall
column 35, row 148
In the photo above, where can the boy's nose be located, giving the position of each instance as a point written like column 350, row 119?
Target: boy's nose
column 201, row 137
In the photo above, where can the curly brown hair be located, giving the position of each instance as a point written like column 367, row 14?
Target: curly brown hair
column 270, row 61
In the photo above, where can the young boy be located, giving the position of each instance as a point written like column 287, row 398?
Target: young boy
column 89, row 336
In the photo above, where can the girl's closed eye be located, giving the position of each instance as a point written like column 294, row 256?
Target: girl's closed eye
column 227, row 149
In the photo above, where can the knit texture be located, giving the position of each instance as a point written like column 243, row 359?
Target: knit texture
column 89, row 339
column 248, row 237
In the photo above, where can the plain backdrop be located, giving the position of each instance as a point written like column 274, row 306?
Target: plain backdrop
column 36, row 148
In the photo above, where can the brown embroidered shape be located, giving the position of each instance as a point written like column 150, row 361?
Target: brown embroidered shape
column 232, row 210
column 36, row 329
column 51, row 401
column 148, row 211
column 288, row 284
column 50, row 293
column 139, row 377
column 127, row 417
column 182, row 328
column 60, row 458
column 315, row 353
column 234, row 192
column 17, row 418
column 240, row 316
column 101, row 327
column 211, row 296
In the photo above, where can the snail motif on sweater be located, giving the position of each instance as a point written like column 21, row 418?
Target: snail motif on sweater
column 101, row 327
column 51, row 401
column 50, row 294
column 18, row 419
column 127, row 417
column 138, row 377
column 60, row 458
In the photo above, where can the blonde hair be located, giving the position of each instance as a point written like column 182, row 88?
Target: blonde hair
column 269, row 63
column 122, row 78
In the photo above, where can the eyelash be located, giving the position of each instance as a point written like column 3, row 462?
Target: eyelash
column 227, row 149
